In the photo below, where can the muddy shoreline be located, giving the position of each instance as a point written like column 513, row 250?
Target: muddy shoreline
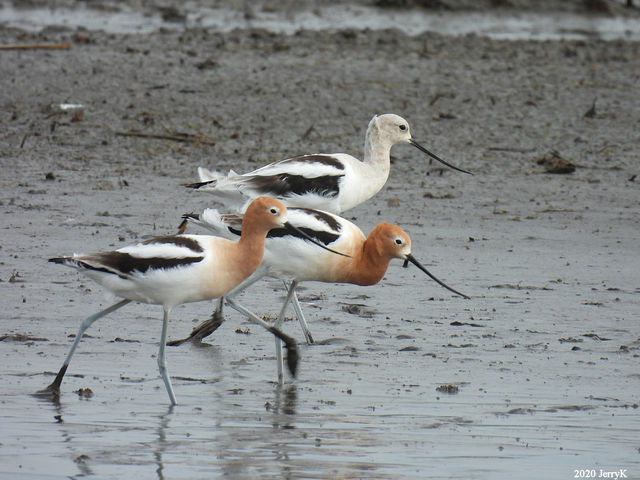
column 544, row 355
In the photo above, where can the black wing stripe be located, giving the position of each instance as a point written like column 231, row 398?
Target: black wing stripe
column 323, row 217
column 123, row 264
column 177, row 240
column 284, row 184
column 323, row 237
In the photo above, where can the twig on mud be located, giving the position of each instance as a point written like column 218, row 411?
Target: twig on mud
column 176, row 137
column 37, row 46
column 308, row 131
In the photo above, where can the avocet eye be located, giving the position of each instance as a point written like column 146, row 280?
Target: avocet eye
column 274, row 211
column 402, row 127
column 398, row 241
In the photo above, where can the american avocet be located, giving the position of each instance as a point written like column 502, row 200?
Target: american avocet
column 173, row 270
column 331, row 182
column 288, row 256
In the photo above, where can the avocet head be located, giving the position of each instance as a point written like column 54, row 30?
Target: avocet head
column 390, row 129
column 266, row 211
column 395, row 243
column 391, row 241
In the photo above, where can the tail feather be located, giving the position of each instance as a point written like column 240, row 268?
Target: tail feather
column 61, row 260
column 219, row 183
column 73, row 262
column 183, row 224
column 231, row 190
column 206, row 175
column 227, row 225
column 221, row 222
column 198, row 185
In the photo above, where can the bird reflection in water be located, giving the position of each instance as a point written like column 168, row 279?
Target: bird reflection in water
column 162, row 444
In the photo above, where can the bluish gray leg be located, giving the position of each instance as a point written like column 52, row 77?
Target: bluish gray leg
column 299, row 314
column 259, row 274
column 290, row 344
column 279, row 321
column 162, row 361
column 204, row 329
column 53, row 390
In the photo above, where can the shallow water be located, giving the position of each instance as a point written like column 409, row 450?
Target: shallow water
column 542, row 390
column 497, row 25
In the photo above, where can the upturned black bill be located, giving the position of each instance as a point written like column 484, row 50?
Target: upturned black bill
column 434, row 156
column 411, row 258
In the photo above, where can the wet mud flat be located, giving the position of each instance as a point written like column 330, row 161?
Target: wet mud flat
column 535, row 377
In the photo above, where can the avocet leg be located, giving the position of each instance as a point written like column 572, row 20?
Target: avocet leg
column 162, row 361
column 289, row 343
column 53, row 390
column 299, row 314
column 259, row 274
column 279, row 321
column 205, row 328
